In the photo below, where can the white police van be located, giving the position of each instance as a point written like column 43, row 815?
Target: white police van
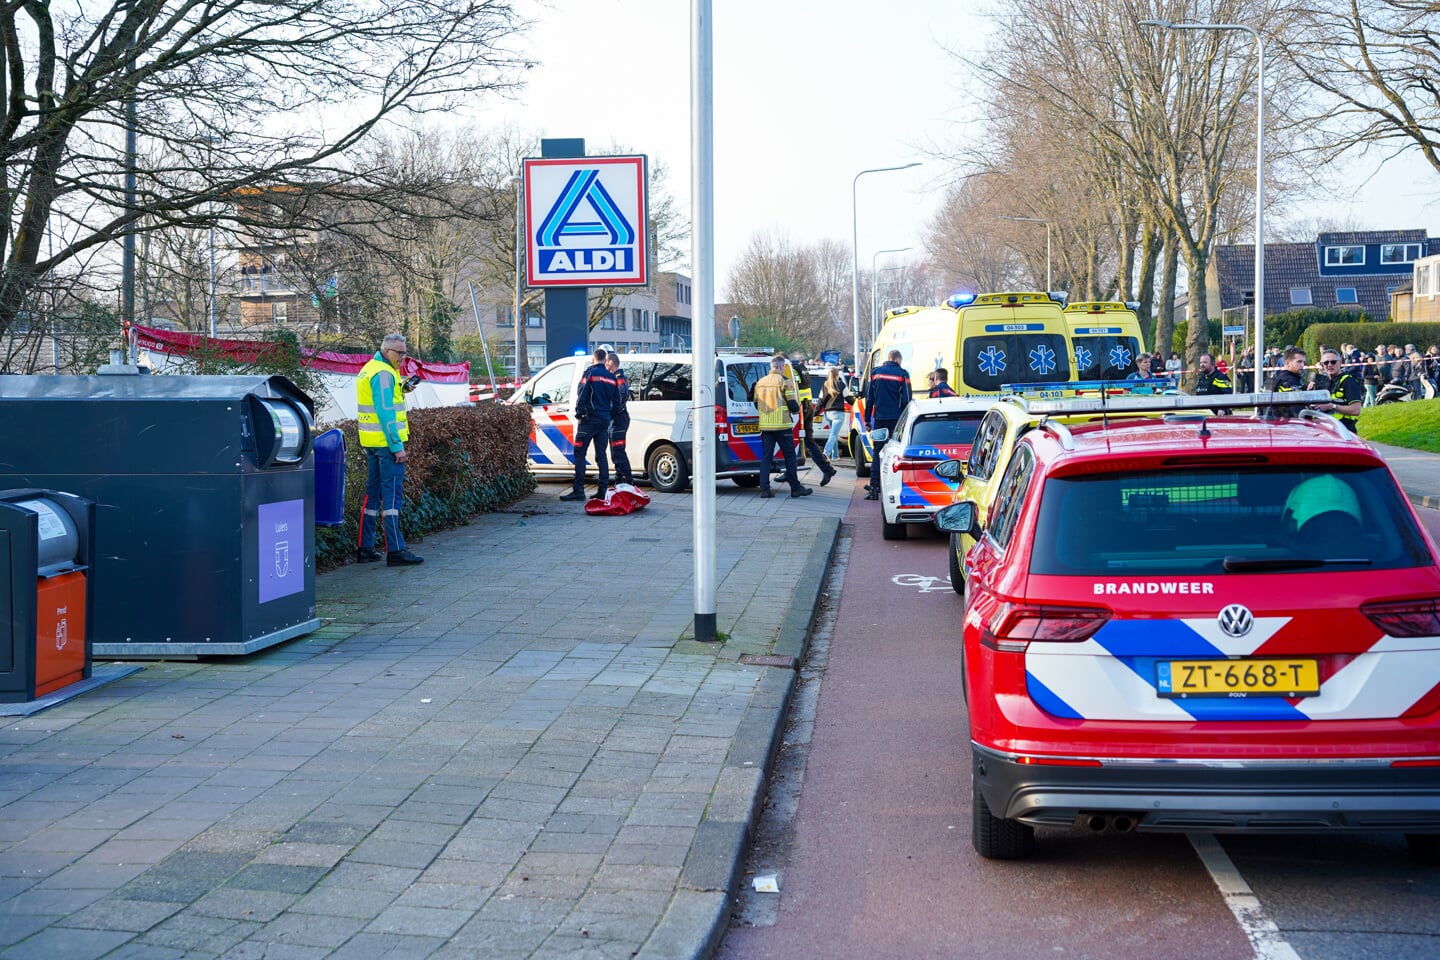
column 660, row 438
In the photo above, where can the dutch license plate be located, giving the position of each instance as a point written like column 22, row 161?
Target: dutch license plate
column 743, row 428
column 1252, row 677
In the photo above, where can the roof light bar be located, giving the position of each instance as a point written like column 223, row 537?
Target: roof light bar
column 1168, row 402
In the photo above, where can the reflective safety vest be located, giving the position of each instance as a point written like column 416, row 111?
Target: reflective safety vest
column 372, row 434
column 771, row 393
column 802, row 384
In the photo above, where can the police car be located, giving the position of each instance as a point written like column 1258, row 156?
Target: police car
column 1200, row 623
column 928, row 433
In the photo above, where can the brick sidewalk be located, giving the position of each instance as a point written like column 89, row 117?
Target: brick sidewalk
column 509, row 751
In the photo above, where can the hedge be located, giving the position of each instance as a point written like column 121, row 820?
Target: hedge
column 1367, row 336
column 460, row 461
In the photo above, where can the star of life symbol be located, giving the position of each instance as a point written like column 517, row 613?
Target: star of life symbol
column 1083, row 357
column 1042, row 359
column 992, row 361
column 1119, row 357
column 1236, row 620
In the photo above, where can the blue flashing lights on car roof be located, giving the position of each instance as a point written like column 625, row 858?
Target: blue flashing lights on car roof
column 1059, row 296
column 961, row 299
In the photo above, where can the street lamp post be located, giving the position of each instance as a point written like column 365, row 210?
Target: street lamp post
column 855, row 248
column 1259, row 175
column 874, row 283
column 1048, row 285
column 521, row 361
column 210, row 212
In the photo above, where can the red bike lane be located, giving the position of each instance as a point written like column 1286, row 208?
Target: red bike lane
column 880, row 863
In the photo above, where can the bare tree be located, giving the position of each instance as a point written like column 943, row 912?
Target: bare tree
column 251, row 74
column 776, row 281
column 1376, row 66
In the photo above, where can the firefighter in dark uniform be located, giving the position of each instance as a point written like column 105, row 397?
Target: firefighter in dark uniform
column 1287, row 380
column 596, row 403
column 886, row 397
column 940, row 383
column 1211, row 381
column 1347, row 393
column 621, row 422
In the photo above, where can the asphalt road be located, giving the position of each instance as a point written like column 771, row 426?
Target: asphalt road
column 878, row 861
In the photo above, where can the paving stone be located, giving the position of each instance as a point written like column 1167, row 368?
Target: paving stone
column 72, row 944
column 112, row 913
column 276, row 877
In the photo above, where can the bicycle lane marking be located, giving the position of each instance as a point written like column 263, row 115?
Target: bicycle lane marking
column 1262, row 932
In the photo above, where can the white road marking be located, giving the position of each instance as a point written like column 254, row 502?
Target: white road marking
column 921, row 581
column 1264, row 935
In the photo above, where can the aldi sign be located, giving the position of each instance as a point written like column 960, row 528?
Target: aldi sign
column 586, row 222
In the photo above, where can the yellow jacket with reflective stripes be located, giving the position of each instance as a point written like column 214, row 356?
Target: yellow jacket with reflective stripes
column 771, row 392
column 373, row 432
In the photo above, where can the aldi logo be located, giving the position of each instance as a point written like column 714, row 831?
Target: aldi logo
column 586, row 221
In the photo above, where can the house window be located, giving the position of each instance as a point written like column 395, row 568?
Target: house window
column 607, row 322
column 1349, row 256
column 1300, row 297
column 620, row 318
column 279, row 312
column 534, row 320
column 635, row 319
column 1399, row 252
column 1422, row 281
column 1346, row 295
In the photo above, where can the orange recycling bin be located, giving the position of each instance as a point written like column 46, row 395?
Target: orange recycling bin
column 46, row 541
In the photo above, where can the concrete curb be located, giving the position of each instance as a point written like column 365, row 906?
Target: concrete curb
column 699, row 913
column 1421, row 500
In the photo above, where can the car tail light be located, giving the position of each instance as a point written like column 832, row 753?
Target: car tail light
column 1428, row 762
column 1015, row 625
column 722, row 426
column 1058, row 762
column 1408, row 618
column 914, row 465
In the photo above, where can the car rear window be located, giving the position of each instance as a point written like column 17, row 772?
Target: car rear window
column 1105, row 357
column 1263, row 519
column 994, row 359
column 945, row 429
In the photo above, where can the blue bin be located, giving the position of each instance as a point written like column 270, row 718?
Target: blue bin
column 330, row 479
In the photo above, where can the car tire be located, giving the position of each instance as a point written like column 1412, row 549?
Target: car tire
column 667, row 470
column 748, row 481
column 957, row 569
column 862, row 465
column 891, row 531
column 993, row 837
column 1424, row 847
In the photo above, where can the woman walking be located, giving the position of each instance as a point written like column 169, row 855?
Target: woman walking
column 832, row 404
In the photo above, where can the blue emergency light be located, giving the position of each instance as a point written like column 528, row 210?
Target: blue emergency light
column 961, row 299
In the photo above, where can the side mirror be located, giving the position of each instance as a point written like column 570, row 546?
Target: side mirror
column 880, row 435
column 950, row 470
column 959, row 518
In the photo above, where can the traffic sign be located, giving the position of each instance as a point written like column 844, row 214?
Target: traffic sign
column 587, row 222
column 1234, row 331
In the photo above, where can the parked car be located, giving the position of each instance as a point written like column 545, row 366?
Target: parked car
column 928, row 433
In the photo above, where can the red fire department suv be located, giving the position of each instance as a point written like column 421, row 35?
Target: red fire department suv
column 1200, row 623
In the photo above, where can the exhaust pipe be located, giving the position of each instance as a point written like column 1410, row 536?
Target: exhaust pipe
column 1123, row 823
column 1097, row 823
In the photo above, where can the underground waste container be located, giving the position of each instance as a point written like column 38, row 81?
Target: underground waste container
column 205, row 495
column 46, row 547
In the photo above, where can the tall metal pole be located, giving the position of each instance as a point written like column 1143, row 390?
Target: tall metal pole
column 522, row 364
column 702, row 415
column 874, row 285
column 127, row 259
column 475, row 305
column 211, row 213
column 1259, row 176
column 855, row 249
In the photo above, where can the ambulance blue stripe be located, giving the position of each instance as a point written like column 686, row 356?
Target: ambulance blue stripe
column 1046, row 699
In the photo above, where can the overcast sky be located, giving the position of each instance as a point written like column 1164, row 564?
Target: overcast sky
column 807, row 94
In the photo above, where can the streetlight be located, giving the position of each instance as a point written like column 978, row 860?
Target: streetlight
column 1259, row 175
column 874, row 282
column 855, row 248
column 210, row 212
column 1048, row 287
column 521, row 365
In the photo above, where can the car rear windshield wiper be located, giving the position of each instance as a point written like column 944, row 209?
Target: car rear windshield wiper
column 1244, row 564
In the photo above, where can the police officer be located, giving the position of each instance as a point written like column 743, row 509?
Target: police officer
column 1347, row 393
column 940, row 383
column 621, row 422
column 384, row 430
column 807, row 422
column 596, row 403
column 1210, row 380
column 1289, row 378
column 886, row 397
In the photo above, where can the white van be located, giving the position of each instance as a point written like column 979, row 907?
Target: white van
column 661, row 433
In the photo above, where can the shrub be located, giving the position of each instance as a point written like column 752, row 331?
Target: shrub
column 1367, row 336
column 460, row 461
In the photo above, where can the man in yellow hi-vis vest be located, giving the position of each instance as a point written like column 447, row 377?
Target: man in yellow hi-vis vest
column 380, row 413
column 775, row 402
